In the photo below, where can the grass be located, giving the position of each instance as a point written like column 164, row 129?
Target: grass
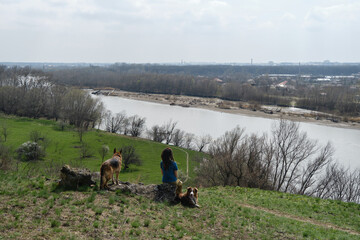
column 64, row 148
column 31, row 207
column 226, row 213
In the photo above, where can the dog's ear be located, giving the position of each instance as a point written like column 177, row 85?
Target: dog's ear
column 120, row 151
column 196, row 192
column 114, row 150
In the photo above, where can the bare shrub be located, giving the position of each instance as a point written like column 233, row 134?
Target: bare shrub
column 39, row 138
column 6, row 159
column 169, row 128
column 156, row 133
column 288, row 161
column 103, row 151
column 178, row 138
column 85, row 150
column 35, row 136
column 188, row 140
column 130, row 156
column 339, row 183
column 137, row 125
column 4, row 131
column 115, row 124
column 202, row 142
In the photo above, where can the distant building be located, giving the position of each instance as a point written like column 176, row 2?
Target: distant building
column 218, row 80
column 282, row 84
column 325, row 79
column 251, row 82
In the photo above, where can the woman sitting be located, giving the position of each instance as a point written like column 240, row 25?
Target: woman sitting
column 169, row 170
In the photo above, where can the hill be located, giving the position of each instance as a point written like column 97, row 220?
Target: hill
column 33, row 208
column 64, row 147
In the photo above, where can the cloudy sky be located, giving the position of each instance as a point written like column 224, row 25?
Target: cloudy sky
column 173, row 30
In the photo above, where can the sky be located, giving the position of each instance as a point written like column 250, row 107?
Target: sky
column 171, row 31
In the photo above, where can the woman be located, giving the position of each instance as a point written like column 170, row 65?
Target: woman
column 169, row 170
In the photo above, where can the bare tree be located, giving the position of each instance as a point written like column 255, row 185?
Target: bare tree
column 353, row 186
column 207, row 174
column 314, row 167
column 130, row 156
column 126, row 126
column 178, row 137
column 156, row 133
column 80, row 109
column 169, row 128
column 223, row 152
column 115, row 124
column 137, row 125
column 288, row 159
column 339, row 183
column 292, row 149
column 189, row 140
column 202, row 142
column 324, row 186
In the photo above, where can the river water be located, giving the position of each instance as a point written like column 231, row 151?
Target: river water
column 202, row 121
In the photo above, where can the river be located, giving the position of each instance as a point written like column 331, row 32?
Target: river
column 202, row 121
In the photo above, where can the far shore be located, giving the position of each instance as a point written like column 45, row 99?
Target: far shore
column 237, row 107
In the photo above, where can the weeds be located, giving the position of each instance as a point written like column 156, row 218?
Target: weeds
column 54, row 223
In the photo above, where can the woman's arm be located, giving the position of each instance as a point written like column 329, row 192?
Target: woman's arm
column 175, row 173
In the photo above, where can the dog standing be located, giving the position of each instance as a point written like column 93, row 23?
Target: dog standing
column 108, row 168
column 190, row 198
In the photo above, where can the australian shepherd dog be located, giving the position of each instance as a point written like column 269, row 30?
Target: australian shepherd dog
column 108, row 168
column 190, row 198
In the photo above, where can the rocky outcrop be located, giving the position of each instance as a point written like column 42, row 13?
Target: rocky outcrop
column 159, row 193
column 73, row 178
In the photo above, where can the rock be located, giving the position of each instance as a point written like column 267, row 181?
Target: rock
column 75, row 177
column 95, row 176
column 159, row 193
column 165, row 192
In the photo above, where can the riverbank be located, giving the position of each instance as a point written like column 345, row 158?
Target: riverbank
column 237, row 107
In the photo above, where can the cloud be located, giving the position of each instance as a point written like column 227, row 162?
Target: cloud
column 172, row 29
column 288, row 17
column 340, row 15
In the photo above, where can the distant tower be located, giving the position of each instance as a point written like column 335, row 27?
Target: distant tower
column 251, row 61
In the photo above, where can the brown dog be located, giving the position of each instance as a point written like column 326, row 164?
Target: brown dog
column 190, row 198
column 108, row 168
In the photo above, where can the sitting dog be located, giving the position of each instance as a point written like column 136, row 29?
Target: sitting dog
column 108, row 168
column 190, row 198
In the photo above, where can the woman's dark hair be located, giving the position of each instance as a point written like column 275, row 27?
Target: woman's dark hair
column 167, row 157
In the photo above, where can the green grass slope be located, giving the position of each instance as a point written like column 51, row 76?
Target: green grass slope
column 64, row 148
column 32, row 208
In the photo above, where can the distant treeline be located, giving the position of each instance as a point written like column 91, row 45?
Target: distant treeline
column 342, row 100
column 202, row 81
column 30, row 93
column 230, row 70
